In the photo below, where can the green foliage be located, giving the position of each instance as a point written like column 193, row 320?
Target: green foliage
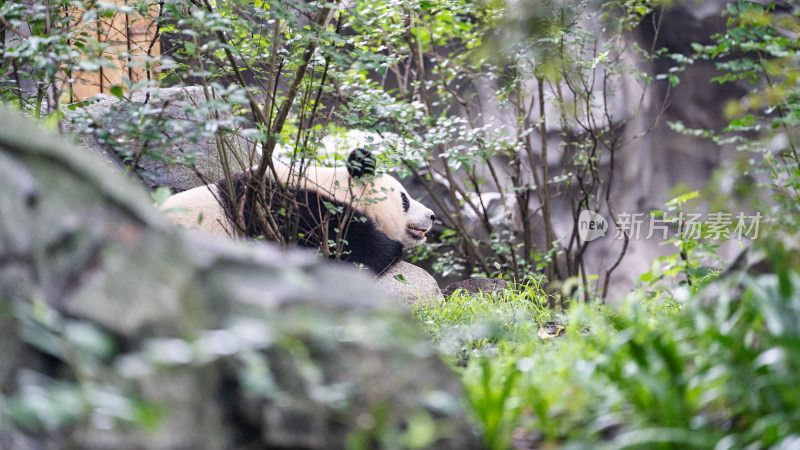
column 696, row 262
column 693, row 359
column 717, row 370
column 44, row 46
column 521, row 53
column 468, row 326
column 756, row 53
column 451, row 86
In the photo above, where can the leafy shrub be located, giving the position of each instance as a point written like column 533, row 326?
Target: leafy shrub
column 716, row 371
column 456, row 89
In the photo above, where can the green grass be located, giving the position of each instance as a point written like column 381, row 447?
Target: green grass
column 467, row 326
column 719, row 371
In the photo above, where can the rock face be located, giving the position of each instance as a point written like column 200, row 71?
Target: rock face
column 410, row 283
column 121, row 331
column 181, row 151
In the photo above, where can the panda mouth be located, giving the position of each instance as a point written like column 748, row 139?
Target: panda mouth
column 416, row 233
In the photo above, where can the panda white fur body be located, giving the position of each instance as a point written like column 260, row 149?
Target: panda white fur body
column 390, row 220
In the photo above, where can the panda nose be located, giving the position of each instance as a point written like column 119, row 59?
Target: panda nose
column 433, row 217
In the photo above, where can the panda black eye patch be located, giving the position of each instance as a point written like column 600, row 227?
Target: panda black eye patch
column 406, row 203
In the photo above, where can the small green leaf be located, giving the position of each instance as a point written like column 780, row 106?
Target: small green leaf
column 160, row 195
column 116, row 91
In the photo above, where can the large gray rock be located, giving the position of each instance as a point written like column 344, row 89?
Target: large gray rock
column 121, row 331
column 410, row 283
column 167, row 139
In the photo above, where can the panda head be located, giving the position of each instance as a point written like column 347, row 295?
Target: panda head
column 384, row 200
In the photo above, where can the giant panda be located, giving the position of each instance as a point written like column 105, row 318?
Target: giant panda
column 371, row 217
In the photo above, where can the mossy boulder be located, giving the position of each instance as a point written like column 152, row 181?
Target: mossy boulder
column 121, row 331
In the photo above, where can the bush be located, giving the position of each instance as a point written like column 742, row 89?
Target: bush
column 718, row 371
column 435, row 80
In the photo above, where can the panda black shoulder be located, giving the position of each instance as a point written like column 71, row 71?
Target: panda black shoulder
column 366, row 244
column 230, row 205
column 361, row 240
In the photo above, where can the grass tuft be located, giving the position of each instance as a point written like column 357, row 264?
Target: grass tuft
column 719, row 369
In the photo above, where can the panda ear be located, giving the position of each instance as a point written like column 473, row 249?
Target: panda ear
column 361, row 162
